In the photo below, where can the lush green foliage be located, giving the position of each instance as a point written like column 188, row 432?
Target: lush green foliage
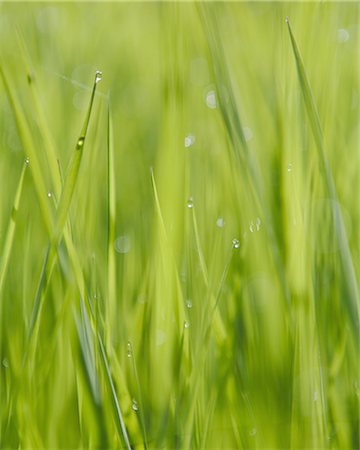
column 179, row 259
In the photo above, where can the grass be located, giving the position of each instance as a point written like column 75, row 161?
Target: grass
column 190, row 278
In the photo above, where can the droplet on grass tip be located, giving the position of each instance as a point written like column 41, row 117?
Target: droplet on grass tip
column 80, row 142
column 135, row 405
column 211, row 99
column 189, row 140
column 49, row 194
column 220, row 222
column 190, row 203
column 98, row 76
column 235, row 243
column 27, row 160
column 186, row 324
column 287, row 19
column 189, row 304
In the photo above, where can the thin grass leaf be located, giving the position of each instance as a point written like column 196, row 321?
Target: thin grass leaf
column 352, row 299
column 62, row 214
column 9, row 237
column 29, row 148
column 120, row 422
column 50, row 153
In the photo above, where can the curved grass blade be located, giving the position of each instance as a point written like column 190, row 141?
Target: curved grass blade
column 49, row 144
column 9, row 238
column 111, row 275
column 120, row 422
column 30, row 148
column 352, row 300
column 62, row 214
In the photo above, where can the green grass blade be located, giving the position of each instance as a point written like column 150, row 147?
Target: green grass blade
column 73, row 170
column 352, row 299
column 29, row 148
column 111, row 275
column 9, row 238
column 120, row 422
column 62, row 214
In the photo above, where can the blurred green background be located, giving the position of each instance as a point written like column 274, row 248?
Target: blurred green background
column 219, row 307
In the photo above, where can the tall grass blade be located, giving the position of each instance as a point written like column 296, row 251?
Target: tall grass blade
column 352, row 300
column 9, row 237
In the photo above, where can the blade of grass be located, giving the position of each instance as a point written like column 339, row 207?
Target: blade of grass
column 9, row 238
column 348, row 271
column 62, row 213
column 30, row 148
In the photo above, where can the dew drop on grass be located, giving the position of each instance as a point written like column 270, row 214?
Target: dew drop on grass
column 135, row 405
column 5, row 363
column 248, row 134
column 289, row 167
column 122, row 244
column 342, row 35
column 190, row 203
column 186, row 324
column 98, row 76
column 211, row 99
column 315, row 396
column 252, row 227
column 258, row 223
column 189, row 304
column 235, row 243
column 129, row 349
column 220, row 222
column 80, row 143
column 189, row 140
column 27, row 160
column 253, row 432
column 49, row 194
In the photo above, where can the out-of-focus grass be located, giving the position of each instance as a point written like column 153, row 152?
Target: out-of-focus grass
column 203, row 291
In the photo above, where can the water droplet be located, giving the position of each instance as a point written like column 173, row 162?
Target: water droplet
column 135, row 405
column 189, row 303
column 211, row 99
column 342, row 35
column 220, row 222
column 5, row 363
column 245, row 234
column 235, row 243
column 189, row 140
column 129, row 349
column 258, row 223
column 253, row 431
column 190, row 203
column 287, row 19
column 122, row 244
column 49, row 194
column 160, row 337
column 27, row 160
column 80, row 142
column 248, row 134
column 186, row 324
column 98, row 76
column 315, row 396
column 252, row 227
column 289, row 167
